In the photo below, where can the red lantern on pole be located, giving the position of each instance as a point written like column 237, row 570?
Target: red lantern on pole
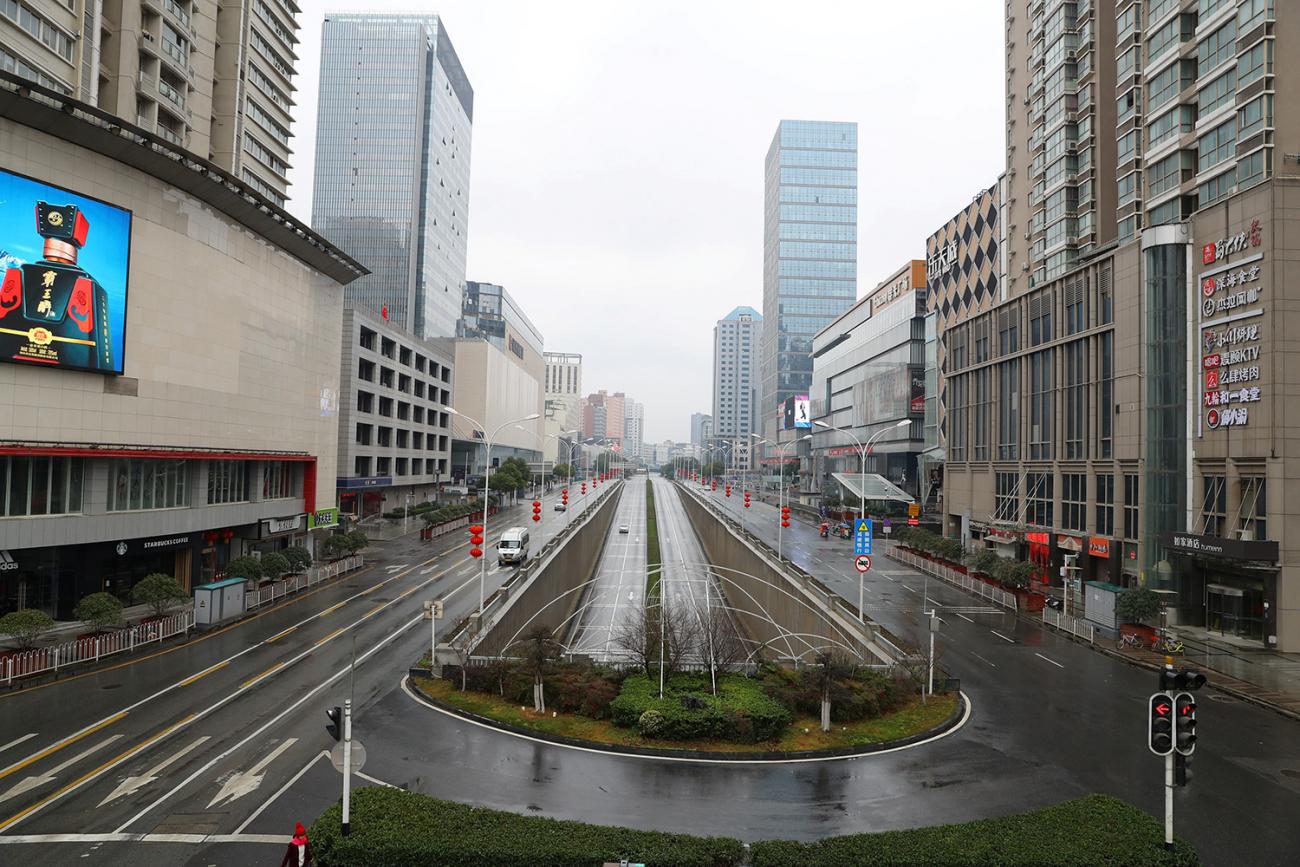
column 785, row 516
column 728, row 490
column 537, row 510
column 715, row 485
column 746, row 499
column 476, row 552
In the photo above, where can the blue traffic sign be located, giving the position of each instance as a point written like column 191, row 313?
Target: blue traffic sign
column 862, row 536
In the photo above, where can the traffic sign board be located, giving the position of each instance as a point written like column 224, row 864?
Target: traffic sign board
column 862, row 536
column 913, row 510
column 862, row 563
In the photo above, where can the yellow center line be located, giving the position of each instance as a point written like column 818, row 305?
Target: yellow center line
column 55, row 747
column 372, row 612
column 328, row 637
column 16, row 817
column 220, row 665
column 262, row 675
column 279, row 635
column 333, row 608
column 372, row 589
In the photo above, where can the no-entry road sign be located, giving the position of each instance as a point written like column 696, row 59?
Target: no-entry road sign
column 862, row 563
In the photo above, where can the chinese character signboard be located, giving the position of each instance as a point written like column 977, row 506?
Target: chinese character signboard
column 63, row 274
column 1230, row 322
column 862, row 537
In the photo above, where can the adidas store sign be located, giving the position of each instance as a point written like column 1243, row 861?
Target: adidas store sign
column 7, row 563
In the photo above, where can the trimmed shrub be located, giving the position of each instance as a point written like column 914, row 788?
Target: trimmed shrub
column 741, row 712
column 25, row 626
column 160, row 590
column 298, row 557
column 274, row 565
column 248, row 568
column 396, row 827
column 1093, row 830
column 1137, row 605
column 99, row 610
column 865, row 694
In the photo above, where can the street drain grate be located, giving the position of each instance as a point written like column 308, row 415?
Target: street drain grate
column 111, row 686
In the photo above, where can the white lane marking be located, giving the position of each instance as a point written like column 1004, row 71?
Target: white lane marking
column 280, row 791
column 16, row 741
column 398, row 568
column 131, row 785
column 1052, row 661
column 309, row 694
column 428, row 569
column 1003, row 637
column 53, row 773
column 240, row 783
column 409, row 690
column 963, row 617
column 259, row 839
column 982, row 659
column 913, row 589
column 883, row 575
column 377, row 782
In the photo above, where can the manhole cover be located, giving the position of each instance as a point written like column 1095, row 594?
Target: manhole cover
column 111, row 686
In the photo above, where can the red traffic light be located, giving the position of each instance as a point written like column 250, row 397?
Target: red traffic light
column 476, row 529
column 476, row 552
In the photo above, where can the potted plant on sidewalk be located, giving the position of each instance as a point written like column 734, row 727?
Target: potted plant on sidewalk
column 1134, row 608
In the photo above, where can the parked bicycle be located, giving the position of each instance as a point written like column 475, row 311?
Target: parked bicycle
column 1129, row 640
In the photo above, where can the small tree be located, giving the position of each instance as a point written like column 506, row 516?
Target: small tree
column 1016, row 574
column 160, row 590
column 638, row 636
column 562, row 471
column 25, row 626
column 99, row 611
column 540, row 647
column 274, row 565
column 984, row 560
column 1137, row 605
column 298, row 557
column 248, row 568
column 356, row 541
column 337, row 545
column 829, row 666
column 719, row 643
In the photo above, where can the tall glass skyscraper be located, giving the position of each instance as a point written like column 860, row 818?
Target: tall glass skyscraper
column 810, row 251
column 392, row 164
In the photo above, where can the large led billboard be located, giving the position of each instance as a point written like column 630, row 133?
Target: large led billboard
column 64, row 260
column 794, row 411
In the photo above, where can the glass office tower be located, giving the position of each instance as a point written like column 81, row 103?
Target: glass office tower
column 392, row 164
column 810, row 251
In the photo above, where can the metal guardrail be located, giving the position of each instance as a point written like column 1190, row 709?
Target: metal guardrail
column 996, row 595
column 94, row 648
column 288, row 586
column 1073, row 625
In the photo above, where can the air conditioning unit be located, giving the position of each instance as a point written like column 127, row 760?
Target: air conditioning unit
column 1024, row 267
column 147, row 35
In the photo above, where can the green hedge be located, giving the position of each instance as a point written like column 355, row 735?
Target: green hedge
column 570, row 687
column 1093, row 831
column 865, row 695
column 741, row 712
column 395, row 828
column 653, row 559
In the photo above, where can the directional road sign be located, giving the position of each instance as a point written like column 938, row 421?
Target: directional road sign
column 862, row 536
column 862, row 563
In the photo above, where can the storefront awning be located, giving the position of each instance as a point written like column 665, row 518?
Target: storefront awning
column 877, row 487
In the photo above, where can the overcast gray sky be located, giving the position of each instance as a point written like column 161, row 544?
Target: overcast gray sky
column 617, row 171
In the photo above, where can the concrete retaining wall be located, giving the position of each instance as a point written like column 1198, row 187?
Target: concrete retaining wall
column 758, row 587
column 544, row 588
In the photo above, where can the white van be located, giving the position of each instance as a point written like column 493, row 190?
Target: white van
column 513, row 547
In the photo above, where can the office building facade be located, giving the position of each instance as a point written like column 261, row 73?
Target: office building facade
column 394, row 429
column 735, row 378
column 809, row 256
column 633, row 429
column 217, row 82
column 701, row 427
column 393, row 135
column 204, row 425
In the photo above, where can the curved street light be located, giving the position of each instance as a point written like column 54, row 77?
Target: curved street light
column 863, row 451
column 780, row 494
column 487, row 471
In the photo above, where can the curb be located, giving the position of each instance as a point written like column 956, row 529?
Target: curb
column 960, row 713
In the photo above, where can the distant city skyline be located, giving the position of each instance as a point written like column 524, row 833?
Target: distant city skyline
column 626, row 235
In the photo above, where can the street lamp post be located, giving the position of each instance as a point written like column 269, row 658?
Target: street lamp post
column 863, row 451
column 487, row 469
column 780, row 493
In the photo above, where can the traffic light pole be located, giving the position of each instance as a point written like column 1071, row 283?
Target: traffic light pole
column 1169, row 801
column 347, row 763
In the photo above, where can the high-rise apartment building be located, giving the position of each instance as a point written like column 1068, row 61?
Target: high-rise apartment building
column 392, row 163
column 735, row 377
column 633, row 429
column 1123, row 400
column 701, row 427
column 604, row 417
column 563, row 404
column 215, row 80
column 810, row 230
